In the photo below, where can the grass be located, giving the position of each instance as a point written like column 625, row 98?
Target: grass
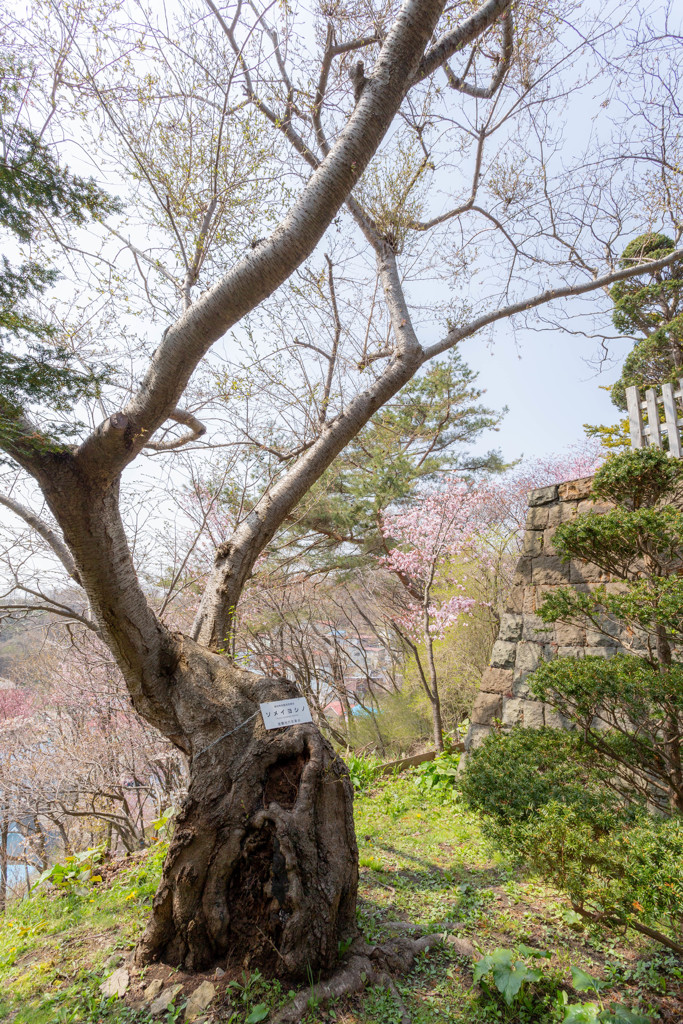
column 422, row 861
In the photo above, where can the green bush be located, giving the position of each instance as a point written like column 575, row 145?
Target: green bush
column 624, row 707
column 438, row 777
column 513, row 774
column 549, row 802
column 77, row 870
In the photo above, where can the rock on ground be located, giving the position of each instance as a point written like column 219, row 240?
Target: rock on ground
column 199, row 1000
column 164, row 1000
column 116, row 984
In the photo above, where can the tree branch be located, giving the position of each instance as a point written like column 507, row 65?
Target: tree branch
column 459, row 333
column 45, row 531
column 197, row 430
column 263, row 269
column 466, row 32
column 503, row 64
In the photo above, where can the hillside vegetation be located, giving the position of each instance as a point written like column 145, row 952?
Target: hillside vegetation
column 423, row 862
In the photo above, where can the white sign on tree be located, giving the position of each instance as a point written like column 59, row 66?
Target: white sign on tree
column 278, row 713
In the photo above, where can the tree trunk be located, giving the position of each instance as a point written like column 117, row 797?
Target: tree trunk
column 4, row 856
column 437, row 724
column 262, row 870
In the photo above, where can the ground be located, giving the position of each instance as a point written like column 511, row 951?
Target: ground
column 423, row 861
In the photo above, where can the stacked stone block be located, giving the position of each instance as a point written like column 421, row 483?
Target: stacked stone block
column 524, row 639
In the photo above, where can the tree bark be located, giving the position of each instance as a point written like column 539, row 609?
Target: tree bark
column 4, row 856
column 262, row 870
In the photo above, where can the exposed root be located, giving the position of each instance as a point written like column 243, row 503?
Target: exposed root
column 367, row 965
column 389, row 982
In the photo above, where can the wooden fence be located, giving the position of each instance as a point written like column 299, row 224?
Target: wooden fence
column 650, row 433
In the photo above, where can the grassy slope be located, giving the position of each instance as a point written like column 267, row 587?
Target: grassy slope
column 421, row 861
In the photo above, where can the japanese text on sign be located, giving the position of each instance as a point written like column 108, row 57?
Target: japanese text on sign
column 278, row 713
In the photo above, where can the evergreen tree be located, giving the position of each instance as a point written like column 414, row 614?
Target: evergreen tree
column 417, row 438
column 651, row 309
column 35, row 366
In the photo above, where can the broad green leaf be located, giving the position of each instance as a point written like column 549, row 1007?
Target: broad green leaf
column 582, row 1013
column 532, row 951
column 259, row 1012
column 482, row 967
column 509, row 979
column 622, row 1015
column 583, row 982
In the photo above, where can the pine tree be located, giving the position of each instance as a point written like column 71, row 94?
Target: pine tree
column 651, row 309
column 35, row 366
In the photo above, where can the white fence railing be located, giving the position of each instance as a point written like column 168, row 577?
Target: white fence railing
column 650, row 433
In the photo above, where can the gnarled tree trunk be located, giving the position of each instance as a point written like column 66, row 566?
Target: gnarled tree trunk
column 262, row 870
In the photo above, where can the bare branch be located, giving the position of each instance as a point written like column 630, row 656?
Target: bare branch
column 197, row 430
column 45, row 531
column 457, row 334
column 335, row 344
column 503, row 64
column 264, row 268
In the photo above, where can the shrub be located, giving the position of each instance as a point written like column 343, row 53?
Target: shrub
column 438, row 777
column 513, row 774
column 548, row 800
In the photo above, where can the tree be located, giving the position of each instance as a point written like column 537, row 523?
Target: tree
column 236, row 176
column 652, row 312
column 434, row 549
column 36, row 365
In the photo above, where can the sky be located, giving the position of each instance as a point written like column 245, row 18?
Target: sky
column 549, row 385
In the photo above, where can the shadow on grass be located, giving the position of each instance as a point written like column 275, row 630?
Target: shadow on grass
column 478, row 877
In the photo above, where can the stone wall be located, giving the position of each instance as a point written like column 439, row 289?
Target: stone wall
column 524, row 639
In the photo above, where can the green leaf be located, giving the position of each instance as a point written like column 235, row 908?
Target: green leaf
column 622, row 1015
column 482, row 967
column 582, row 1013
column 510, row 978
column 532, row 951
column 259, row 1012
column 583, row 982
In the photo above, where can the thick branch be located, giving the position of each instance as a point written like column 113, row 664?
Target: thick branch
column 464, row 33
column 90, row 519
column 263, row 269
column 503, row 64
column 235, row 559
